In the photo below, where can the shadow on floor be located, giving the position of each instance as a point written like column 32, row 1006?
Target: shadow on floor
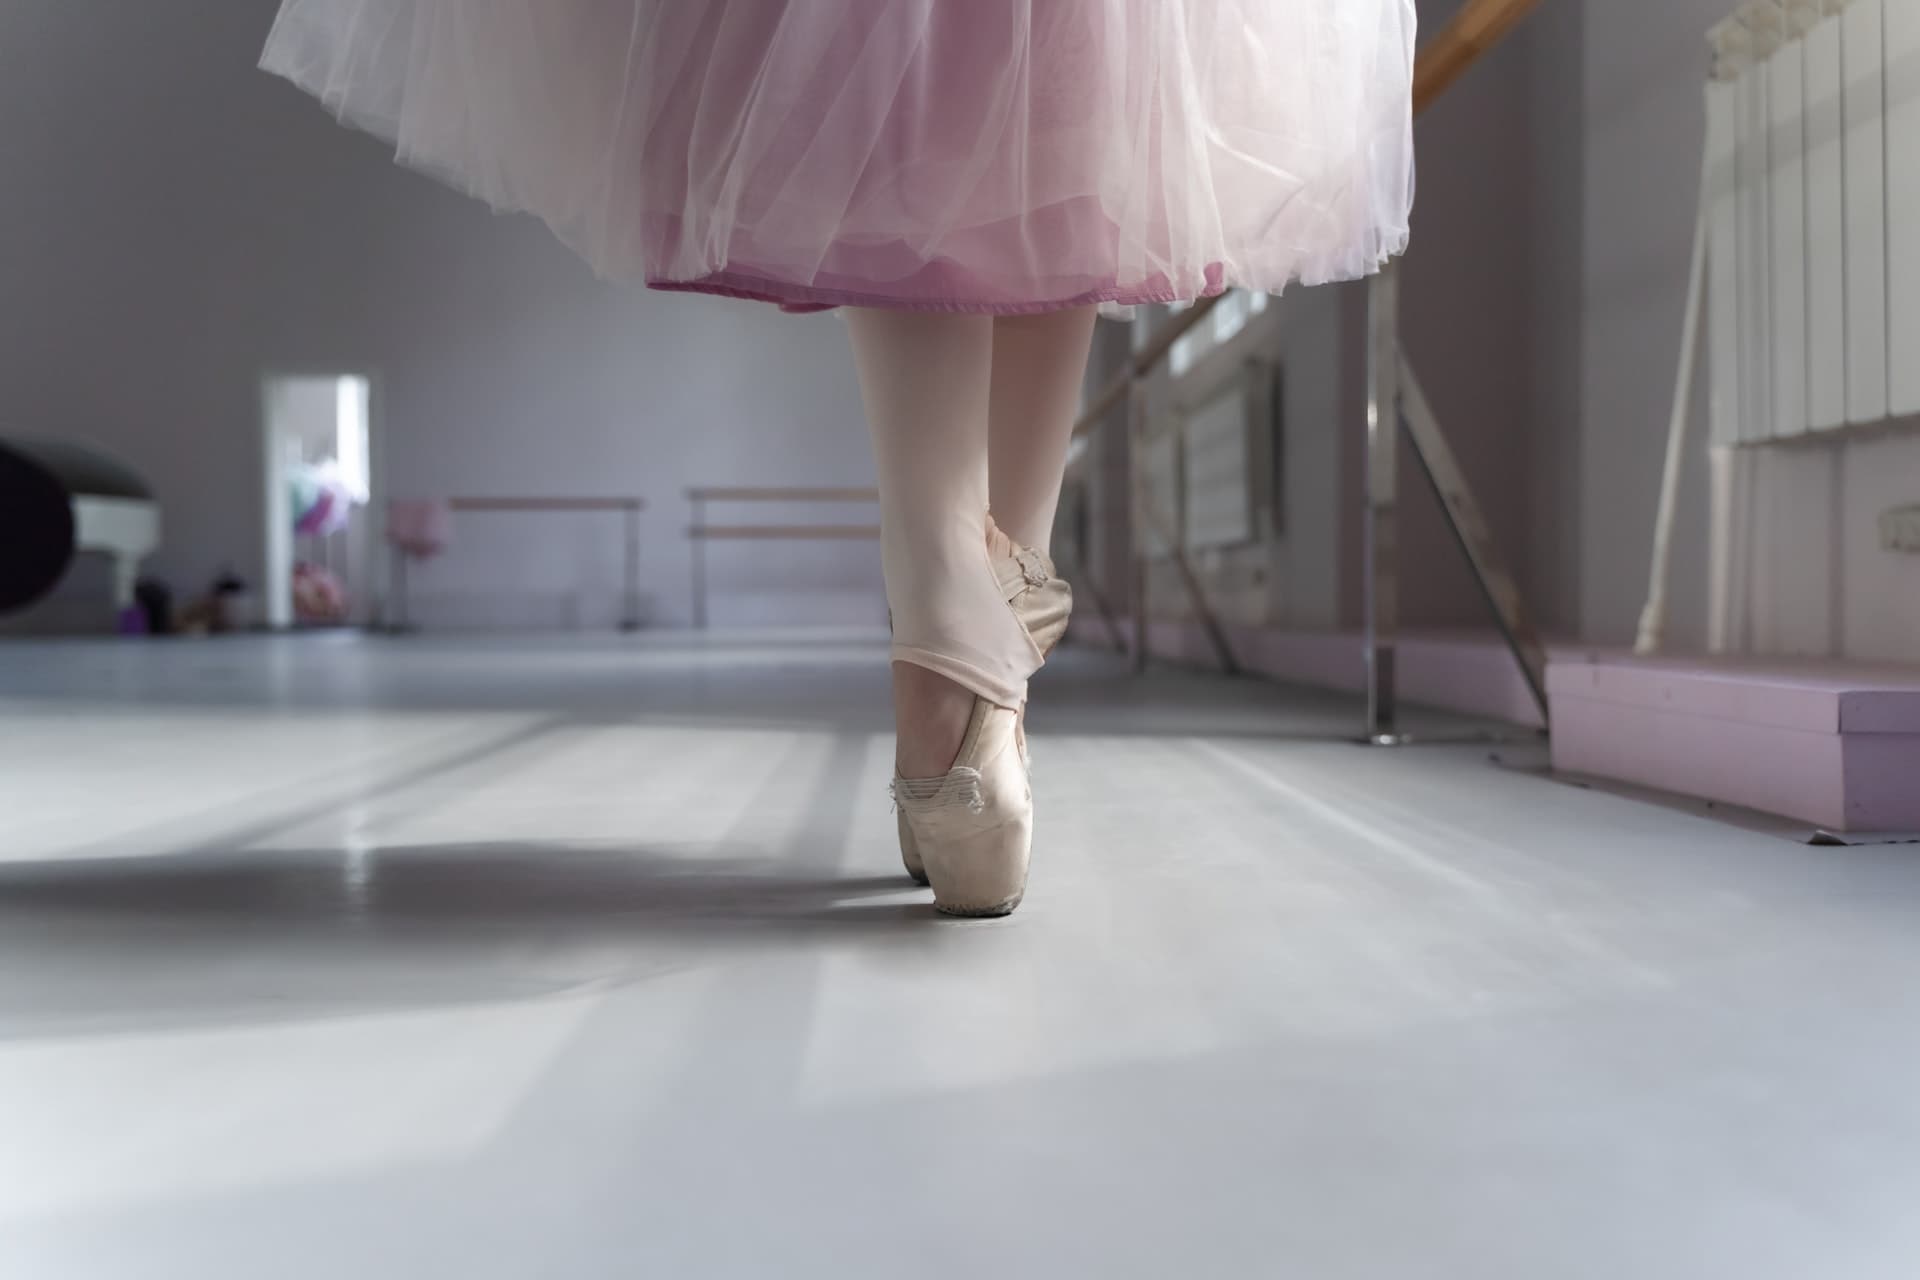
column 512, row 883
column 223, row 937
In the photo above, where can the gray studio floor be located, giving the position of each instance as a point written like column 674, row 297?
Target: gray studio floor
column 329, row 958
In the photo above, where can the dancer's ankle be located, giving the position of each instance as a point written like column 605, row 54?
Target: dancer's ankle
column 930, row 714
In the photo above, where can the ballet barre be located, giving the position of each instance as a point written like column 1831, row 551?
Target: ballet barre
column 1395, row 404
column 629, row 508
column 699, row 532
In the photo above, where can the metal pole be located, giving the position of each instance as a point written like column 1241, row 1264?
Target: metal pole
column 1136, row 418
column 1139, row 612
column 1381, row 520
column 630, row 621
column 400, row 624
column 698, row 536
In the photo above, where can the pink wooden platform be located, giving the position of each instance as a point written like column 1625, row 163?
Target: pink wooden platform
column 1832, row 744
column 1835, row 745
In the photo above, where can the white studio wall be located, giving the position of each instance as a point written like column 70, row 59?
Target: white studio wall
column 176, row 225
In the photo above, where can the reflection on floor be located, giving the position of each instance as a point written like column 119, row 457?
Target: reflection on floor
column 327, row 958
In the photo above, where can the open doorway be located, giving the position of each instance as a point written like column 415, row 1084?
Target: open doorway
column 320, row 483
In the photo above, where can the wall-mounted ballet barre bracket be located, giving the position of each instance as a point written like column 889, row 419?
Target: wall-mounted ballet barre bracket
column 1395, row 403
column 1394, row 397
column 1151, row 514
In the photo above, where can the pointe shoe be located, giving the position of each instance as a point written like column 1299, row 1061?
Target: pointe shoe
column 973, row 827
column 1042, row 601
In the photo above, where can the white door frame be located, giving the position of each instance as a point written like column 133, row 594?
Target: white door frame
column 274, row 573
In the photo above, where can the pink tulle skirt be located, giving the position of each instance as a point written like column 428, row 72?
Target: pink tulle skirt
column 953, row 155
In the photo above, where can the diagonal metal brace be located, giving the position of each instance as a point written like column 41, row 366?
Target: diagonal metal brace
column 1470, row 531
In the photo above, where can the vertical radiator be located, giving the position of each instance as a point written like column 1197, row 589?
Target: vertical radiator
column 1813, row 208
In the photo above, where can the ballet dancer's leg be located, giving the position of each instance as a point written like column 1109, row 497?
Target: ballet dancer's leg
column 972, row 612
column 1039, row 364
column 925, row 379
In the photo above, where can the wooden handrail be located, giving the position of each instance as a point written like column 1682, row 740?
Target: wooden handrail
column 700, row 532
column 629, row 508
column 757, row 493
column 784, row 532
column 1143, row 360
column 545, row 504
column 1480, row 25
column 1477, row 28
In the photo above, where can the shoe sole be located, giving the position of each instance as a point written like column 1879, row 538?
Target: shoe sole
column 981, row 913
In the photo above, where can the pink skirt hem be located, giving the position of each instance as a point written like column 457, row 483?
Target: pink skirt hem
column 800, row 299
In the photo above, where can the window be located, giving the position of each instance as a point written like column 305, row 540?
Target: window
column 1233, row 314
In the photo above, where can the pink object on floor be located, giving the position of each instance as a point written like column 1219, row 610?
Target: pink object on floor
column 319, row 594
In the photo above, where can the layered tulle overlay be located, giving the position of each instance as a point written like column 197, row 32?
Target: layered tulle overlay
column 969, row 155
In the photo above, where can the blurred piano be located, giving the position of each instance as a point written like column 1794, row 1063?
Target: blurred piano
column 59, row 500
